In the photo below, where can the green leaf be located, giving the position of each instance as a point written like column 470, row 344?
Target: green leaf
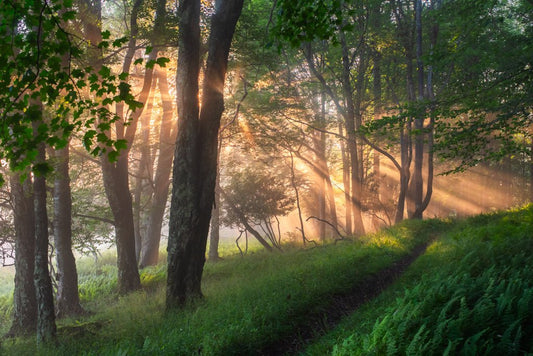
column 106, row 34
column 113, row 156
column 150, row 64
column 104, row 72
column 162, row 61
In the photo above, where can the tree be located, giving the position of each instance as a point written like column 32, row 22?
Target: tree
column 195, row 157
column 32, row 46
column 68, row 300
column 24, row 302
column 254, row 198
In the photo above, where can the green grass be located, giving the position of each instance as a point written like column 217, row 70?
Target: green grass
column 250, row 301
column 471, row 293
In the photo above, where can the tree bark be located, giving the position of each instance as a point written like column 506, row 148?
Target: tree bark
column 116, row 184
column 68, row 300
column 346, row 183
column 195, row 159
column 46, row 327
column 24, row 296
column 214, row 236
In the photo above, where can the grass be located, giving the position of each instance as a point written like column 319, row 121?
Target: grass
column 471, row 293
column 250, row 301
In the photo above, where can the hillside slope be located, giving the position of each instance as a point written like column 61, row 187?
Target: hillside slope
column 471, row 293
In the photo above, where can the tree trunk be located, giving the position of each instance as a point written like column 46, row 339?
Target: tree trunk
column 115, row 175
column 195, row 159
column 214, row 237
column 24, row 302
column 346, row 183
column 68, row 301
column 405, row 175
column 144, row 173
column 417, row 183
column 531, row 172
column 349, row 122
column 116, row 184
column 167, row 137
column 297, row 195
column 46, row 327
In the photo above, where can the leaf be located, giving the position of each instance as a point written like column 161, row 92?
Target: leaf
column 105, row 71
column 106, row 34
column 162, row 61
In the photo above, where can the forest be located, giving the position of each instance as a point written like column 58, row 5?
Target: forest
column 218, row 177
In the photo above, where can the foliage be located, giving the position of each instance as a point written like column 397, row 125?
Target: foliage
column 258, row 193
column 37, row 53
column 484, row 82
column 471, row 293
column 304, row 21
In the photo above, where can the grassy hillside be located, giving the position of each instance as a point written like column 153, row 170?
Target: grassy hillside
column 471, row 293
column 251, row 302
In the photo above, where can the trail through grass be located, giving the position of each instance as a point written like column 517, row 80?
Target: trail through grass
column 471, row 293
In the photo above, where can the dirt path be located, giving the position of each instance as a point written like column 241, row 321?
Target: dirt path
column 342, row 305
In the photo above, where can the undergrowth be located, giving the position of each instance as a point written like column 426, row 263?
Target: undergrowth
column 250, row 301
column 471, row 293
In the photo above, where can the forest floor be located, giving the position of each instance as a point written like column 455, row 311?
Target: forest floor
column 341, row 305
column 421, row 287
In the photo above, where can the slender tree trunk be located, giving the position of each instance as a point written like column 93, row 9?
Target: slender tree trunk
column 68, row 301
column 319, row 143
column 349, row 123
column 46, row 326
column 405, row 148
column 417, row 183
column 167, row 137
column 531, row 172
column 195, row 159
column 144, row 173
column 24, row 296
column 346, row 183
column 377, row 91
column 332, row 205
column 214, row 236
column 297, row 195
